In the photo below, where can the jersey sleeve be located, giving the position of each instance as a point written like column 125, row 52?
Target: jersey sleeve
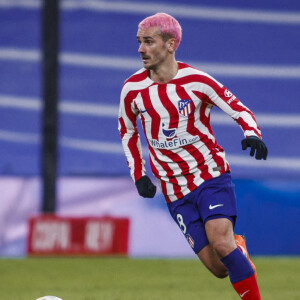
column 128, row 113
column 221, row 97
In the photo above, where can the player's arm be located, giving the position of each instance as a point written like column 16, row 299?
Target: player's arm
column 227, row 102
column 132, row 145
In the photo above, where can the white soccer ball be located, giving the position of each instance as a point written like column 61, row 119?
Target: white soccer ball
column 49, row 298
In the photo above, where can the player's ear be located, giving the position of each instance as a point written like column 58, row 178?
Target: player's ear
column 171, row 44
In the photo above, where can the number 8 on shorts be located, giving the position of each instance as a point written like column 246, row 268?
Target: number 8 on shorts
column 180, row 223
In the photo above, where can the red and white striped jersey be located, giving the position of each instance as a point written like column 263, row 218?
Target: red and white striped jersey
column 176, row 121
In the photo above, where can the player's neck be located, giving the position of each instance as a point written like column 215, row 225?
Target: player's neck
column 164, row 72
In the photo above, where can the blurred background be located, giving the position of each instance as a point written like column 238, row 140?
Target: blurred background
column 252, row 47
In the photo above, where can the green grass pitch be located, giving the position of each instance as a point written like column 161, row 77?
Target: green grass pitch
column 138, row 279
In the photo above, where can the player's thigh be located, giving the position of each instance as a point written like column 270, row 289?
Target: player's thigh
column 187, row 217
column 212, row 262
column 217, row 197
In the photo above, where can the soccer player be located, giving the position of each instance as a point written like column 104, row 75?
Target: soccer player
column 173, row 101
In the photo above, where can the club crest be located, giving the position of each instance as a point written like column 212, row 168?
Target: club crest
column 190, row 240
column 185, row 107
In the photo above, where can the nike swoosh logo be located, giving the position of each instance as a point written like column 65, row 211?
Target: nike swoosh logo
column 215, row 206
column 143, row 111
column 242, row 295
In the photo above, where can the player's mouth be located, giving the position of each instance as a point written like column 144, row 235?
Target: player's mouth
column 145, row 59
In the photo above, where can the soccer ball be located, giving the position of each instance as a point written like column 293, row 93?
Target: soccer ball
column 49, row 298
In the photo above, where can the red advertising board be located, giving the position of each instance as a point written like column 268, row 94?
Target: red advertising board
column 53, row 235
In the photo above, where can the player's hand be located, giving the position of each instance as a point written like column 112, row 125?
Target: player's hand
column 145, row 187
column 257, row 144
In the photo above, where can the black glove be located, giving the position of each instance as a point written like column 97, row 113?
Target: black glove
column 145, row 187
column 257, row 144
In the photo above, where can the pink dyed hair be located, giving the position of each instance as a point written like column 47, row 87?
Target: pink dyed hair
column 167, row 24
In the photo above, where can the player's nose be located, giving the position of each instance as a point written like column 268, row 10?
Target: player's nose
column 141, row 48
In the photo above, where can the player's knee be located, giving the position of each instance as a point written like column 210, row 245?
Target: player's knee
column 221, row 274
column 222, row 247
column 218, row 270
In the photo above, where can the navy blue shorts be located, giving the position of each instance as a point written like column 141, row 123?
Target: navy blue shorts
column 214, row 198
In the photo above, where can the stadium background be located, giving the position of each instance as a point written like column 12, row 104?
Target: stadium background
column 253, row 48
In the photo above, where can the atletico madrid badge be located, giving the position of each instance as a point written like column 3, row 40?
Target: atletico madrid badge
column 190, row 240
column 185, row 107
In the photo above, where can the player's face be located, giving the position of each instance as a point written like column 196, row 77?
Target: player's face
column 153, row 49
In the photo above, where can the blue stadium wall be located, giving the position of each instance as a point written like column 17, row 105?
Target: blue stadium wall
column 251, row 47
column 269, row 215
